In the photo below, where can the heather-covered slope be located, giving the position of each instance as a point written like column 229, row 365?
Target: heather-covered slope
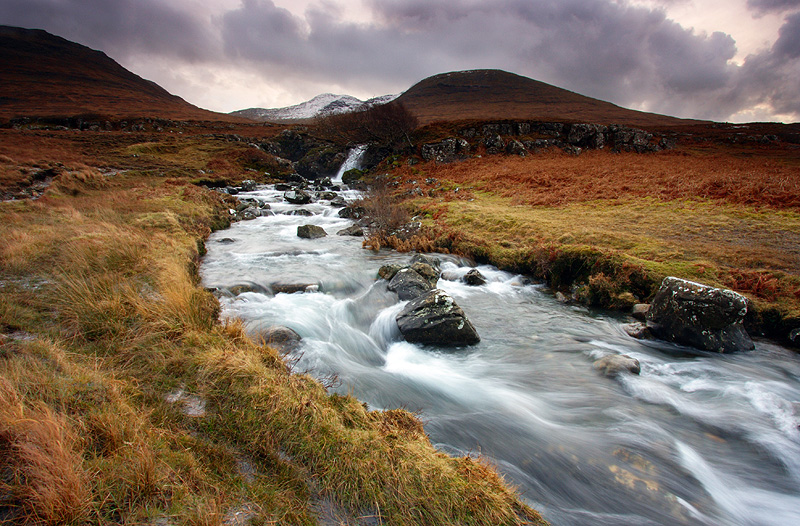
column 46, row 75
column 496, row 94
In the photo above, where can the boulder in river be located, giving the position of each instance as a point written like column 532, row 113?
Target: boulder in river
column 311, row 232
column 353, row 230
column 280, row 337
column 297, row 197
column 387, row 272
column 474, row 278
column 640, row 310
column 428, row 272
column 614, row 364
column 430, row 260
column 434, row 318
column 409, row 284
column 700, row 316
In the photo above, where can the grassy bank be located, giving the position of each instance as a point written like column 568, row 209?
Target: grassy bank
column 608, row 227
column 123, row 400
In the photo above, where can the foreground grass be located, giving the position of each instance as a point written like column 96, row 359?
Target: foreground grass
column 107, row 340
column 609, row 227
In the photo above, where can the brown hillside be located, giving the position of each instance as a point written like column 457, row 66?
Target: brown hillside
column 494, row 94
column 46, row 75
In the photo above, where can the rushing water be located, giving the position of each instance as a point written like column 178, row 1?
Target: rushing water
column 695, row 439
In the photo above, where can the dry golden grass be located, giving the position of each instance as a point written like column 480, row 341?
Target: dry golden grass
column 40, row 462
column 557, row 179
column 101, row 318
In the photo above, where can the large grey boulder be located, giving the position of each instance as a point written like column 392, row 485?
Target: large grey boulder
column 311, row 231
column 409, row 284
column 435, row 318
column 700, row 316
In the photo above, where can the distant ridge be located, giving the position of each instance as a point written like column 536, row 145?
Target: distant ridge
column 495, row 94
column 319, row 106
column 46, row 75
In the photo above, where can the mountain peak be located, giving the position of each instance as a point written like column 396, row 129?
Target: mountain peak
column 482, row 94
column 46, row 75
column 321, row 105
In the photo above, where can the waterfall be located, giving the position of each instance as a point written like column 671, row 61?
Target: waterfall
column 354, row 157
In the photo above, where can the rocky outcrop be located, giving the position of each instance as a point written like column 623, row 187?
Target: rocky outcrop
column 700, row 316
column 435, row 319
column 615, row 364
column 311, row 232
column 446, row 151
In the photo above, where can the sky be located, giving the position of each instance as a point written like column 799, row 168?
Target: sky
column 725, row 60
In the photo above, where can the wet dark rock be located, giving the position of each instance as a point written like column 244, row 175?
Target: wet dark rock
column 292, row 288
column 794, row 337
column 280, row 337
column 409, row 284
column 434, row 318
column 248, row 185
column 387, row 272
column 283, row 187
column 616, row 364
column 232, row 190
column 353, row 230
column 352, row 212
column 640, row 311
column 640, row 331
column 297, row 197
column 474, row 278
column 300, row 212
column 428, row 260
column 251, row 212
column 326, row 195
column 700, row 316
column 338, row 202
column 226, row 240
column 311, row 232
column 425, row 270
column 245, row 287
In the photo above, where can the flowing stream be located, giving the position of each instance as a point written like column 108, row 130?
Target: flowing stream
column 695, row 439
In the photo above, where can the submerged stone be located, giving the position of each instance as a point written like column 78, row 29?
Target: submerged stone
column 615, row 364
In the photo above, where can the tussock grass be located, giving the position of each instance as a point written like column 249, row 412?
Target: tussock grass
column 103, row 318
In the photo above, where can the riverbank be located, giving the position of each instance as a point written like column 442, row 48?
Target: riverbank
column 605, row 228
column 124, row 400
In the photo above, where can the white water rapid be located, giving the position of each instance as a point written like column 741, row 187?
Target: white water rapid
column 696, row 439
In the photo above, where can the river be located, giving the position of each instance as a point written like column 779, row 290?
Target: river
column 694, row 439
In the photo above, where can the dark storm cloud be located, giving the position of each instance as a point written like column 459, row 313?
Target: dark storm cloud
column 766, row 6
column 119, row 27
column 630, row 55
column 772, row 76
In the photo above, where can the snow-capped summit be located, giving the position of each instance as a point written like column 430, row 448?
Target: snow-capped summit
column 325, row 104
